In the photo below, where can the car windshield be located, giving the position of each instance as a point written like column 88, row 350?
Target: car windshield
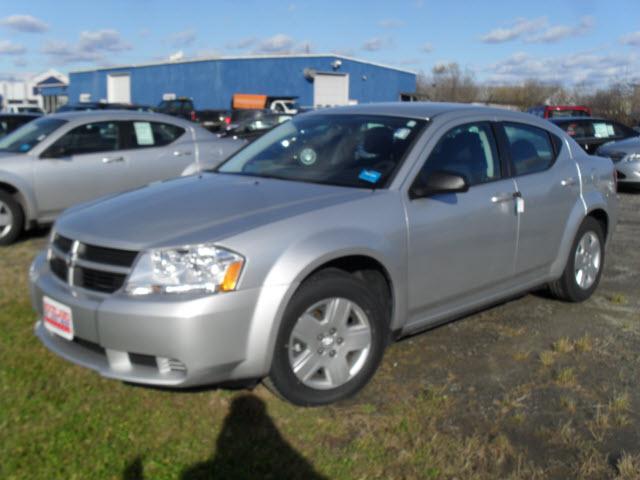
column 361, row 151
column 29, row 135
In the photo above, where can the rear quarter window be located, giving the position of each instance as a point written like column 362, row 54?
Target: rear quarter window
column 531, row 148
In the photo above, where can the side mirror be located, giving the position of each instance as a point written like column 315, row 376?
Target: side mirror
column 438, row 182
column 55, row 151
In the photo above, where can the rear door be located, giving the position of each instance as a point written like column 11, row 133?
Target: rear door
column 84, row 163
column 547, row 180
column 156, row 151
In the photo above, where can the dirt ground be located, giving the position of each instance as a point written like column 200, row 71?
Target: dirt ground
column 559, row 381
column 533, row 388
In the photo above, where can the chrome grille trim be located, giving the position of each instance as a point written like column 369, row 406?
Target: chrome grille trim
column 93, row 276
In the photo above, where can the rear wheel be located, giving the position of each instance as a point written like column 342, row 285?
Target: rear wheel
column 584, row 267
column 331, row 340
column 11, row 219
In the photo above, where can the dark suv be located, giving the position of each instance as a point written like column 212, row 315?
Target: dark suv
column 591, row 133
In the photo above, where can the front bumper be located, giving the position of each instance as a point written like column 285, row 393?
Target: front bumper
column 628, row 172
column 160, row 340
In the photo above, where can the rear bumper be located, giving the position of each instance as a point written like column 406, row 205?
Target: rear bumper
column 163, row 341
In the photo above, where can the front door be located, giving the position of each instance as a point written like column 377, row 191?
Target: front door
column 83, row 164
column 461, row 244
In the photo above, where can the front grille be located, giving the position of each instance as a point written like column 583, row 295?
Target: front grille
column 123, row 258
column 59, row 268
column 107, row 282
column 63, row 243
column 100, row 269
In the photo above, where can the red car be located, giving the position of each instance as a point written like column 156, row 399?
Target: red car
column 554, row 111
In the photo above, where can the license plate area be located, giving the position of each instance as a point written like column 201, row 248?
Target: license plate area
column 57, row 318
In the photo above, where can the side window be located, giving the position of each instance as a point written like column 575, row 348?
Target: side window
column 89, row 138
column 152, row 134
column 578, row 129
column 530, row 148
column 165, row 133
column 468, row 150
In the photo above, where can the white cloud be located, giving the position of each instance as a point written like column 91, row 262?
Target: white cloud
column 279, row 43
column 390, row 23
column 631, row 39
column 556, row 33
column 184, row 38
column 518, row 27
column 241, row 44
column 7, row 47
column 176, row 56
column 91, row 47
column 24, row 23
column 106, row 40
column 376, row 43
column 426, row 48
column 590, row 68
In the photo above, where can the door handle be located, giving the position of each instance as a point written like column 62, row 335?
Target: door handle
column 178, row 153
column 502, row 197
column 112, row 159
column 567, row 182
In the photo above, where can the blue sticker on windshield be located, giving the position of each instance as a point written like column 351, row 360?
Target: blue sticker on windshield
column 370, row 176
column 24, row 147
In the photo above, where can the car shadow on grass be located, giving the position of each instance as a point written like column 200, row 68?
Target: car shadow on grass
column 249, row 446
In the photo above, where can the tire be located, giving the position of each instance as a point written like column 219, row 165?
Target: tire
column 577, row 282
column 11, row 219
column 341, row 331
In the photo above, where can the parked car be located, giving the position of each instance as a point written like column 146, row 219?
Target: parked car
column 625, row 155
column 300, row 257
column 183, row 107
column 559, row 111
column 62, row 159
column 252, row 128
column 12, row 121
column 591, row 133
column 89, row 106
column 24, row 107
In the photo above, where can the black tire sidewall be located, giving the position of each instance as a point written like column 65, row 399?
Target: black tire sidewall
column 319, row 287
column 573, row 290
column 18, row 218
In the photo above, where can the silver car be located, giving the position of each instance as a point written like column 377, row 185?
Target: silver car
column 60, row 160
column 299, row 258
column 625, row 155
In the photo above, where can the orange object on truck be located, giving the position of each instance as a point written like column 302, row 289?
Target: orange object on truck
column 242, row 101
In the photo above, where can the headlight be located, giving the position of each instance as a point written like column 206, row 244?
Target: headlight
column 197, row 268
column 632, row 157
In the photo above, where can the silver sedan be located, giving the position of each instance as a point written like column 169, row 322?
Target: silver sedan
column 303, row 255
column 625, row 155
column 60, row 160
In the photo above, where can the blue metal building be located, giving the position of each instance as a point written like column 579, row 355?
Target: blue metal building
column 314, row 79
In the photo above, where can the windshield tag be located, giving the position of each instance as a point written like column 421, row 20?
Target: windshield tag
column 370, row 176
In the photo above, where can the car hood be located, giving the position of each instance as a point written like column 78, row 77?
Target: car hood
column 196, row 209
column 628, row 145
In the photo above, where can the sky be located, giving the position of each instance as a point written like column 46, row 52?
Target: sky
column 587, row 42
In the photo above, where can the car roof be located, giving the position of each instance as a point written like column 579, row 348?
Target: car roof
column 421, row 110
column 115, row 114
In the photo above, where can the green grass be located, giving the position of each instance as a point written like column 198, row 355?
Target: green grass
column 59, row 421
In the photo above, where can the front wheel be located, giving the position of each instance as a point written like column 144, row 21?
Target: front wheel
column 11, row 219
column 584, row 267
column 331, row 340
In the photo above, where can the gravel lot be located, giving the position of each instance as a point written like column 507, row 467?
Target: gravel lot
column 533, row 388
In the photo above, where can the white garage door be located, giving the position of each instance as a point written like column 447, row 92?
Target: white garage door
column 330, row 89
column 119, row 88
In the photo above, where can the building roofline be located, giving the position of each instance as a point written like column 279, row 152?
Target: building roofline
column 244, row 57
